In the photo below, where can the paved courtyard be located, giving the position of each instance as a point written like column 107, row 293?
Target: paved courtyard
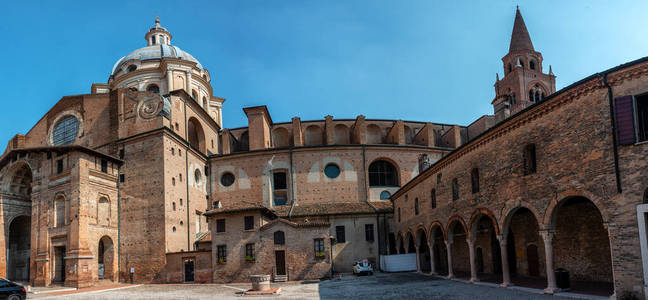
column 380, row 286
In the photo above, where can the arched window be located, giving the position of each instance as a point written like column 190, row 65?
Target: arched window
column 510, row 68
column 194, row 94
column 281, row 137
column 537, row 96
column 384, row 195
column 529, row 159
column 399, row 215
column 455, row 189
column 244, row 142
column 279, row 238
column 474, row 180
column 532, row 65
column 313, row 135
column 132, row 68
column 433, row 198
column 382, row 173
column 196, row 135
column 65, row 131
column 342, row 134
column 374, row 134
column 153, row 88
column 531, row 96
column 59, row 209
column 416, row 206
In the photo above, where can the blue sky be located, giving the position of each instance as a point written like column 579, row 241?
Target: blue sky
column 412, row 60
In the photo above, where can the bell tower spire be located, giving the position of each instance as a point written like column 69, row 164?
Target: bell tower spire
column 523, row 83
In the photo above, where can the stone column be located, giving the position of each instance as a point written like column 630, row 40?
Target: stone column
column 189, row 83
column 432, row 260
column 473, row 265
column 169, row 80
column 506, row 273
column 418, row 259
column 449, row 251
column 547, row 237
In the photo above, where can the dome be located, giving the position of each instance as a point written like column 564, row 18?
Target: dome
column 155, row 52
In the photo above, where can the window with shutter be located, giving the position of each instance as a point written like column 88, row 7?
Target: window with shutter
column 623, row 107
column 642, row 117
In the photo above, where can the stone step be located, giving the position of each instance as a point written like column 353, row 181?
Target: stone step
column 280, row 278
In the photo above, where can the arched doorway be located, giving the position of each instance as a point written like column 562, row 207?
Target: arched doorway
column 196, row 135
column 488, row 257
column 423, row 251
column 439, row 248
column 18, row 187
column 401, row 245
column 581, row 245
column 524, row 248
column 18, row 249
column 411, row 248
column 105, row 258
column 459, row 249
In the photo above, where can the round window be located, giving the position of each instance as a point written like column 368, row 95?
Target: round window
column 65, row 131
column 332, row 171
column 197, row 176
column 227, row 179
column 384, row 195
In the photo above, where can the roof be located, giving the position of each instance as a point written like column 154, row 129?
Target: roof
column 302, row 224
column 323, row 209
column 520, row 39
column 58, row 149
column 431, row 170
column 204, row 237
column 155, row 52
column 238, row 207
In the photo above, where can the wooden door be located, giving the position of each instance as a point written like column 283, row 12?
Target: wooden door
column 189, row 270
column 280, row 262
column 532, row 260
column 59, row 264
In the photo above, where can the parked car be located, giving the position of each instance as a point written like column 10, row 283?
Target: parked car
column 11, row 291
column 362, row 267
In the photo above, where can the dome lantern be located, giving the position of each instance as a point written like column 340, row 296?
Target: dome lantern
column 157, row 34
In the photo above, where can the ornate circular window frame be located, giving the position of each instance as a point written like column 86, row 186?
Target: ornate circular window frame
column 61, row 116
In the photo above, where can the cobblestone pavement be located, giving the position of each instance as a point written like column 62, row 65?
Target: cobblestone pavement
column 380, row 286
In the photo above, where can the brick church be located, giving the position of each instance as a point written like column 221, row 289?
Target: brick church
column 138, row 181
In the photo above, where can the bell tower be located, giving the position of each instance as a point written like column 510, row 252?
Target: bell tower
column 523, row 83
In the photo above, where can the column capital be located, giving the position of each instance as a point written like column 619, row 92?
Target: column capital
column 547, row 235
column 448, row 242
column 502, row 238
column 471, row 242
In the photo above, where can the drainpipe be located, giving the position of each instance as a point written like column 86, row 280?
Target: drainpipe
column 364, row 169
column 187, row 177
column 292, row 185
column 118, row 224
column 615, row 145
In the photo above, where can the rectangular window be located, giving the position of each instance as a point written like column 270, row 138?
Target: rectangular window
column 104, row 166
column 439, row 178
column 220, row 225
column 642, row 117
column 121, row 178
column 249, row 252
column 280, row 188
column 339, row 234
column 249, row 222
column 221, row 252
column 59, row 166
column 121, row 153
column 369, row 232
column 319, row 247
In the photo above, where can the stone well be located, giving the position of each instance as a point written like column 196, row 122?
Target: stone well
column 260, row 282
